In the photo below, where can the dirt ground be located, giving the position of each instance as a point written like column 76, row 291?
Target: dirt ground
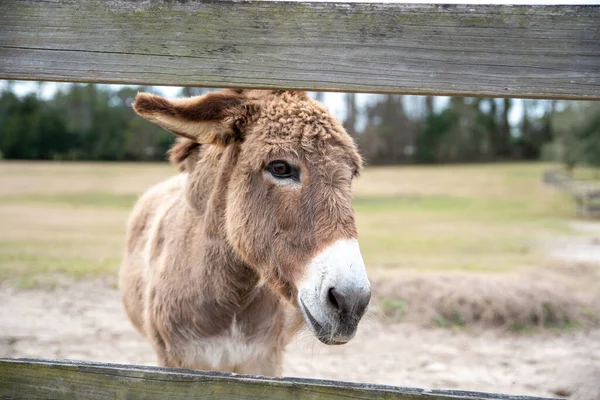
column 85, row 321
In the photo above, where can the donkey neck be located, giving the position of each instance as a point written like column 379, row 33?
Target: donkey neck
column 230, row 280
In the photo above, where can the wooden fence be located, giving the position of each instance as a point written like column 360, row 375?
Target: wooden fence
column 466, row 50
column 585, row 193
column 58, row 379
column 463, row 50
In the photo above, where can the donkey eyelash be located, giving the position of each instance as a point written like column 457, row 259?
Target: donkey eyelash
column 282, row 170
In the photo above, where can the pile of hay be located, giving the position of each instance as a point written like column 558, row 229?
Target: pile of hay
column 540, row 299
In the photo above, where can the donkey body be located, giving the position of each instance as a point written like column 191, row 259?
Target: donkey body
column 255, row 237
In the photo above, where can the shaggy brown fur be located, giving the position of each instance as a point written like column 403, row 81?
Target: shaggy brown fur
column 184, row 154
column 214, row 254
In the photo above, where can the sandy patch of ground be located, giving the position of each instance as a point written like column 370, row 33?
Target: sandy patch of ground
column 577, row 249
column 85, row 321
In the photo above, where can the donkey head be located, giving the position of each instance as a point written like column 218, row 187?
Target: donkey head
column 286, row 167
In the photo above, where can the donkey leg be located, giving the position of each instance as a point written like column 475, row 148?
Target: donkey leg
column 163, row 357
column 182, row 356
column 259, row 368
column 271, row 365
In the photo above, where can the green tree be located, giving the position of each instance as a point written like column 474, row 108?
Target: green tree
column 389, row 136
column 577, row 134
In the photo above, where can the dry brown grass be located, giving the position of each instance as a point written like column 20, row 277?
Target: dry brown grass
column 60, row 221
column 60, row 178
column 551, row 298
column 449, row 245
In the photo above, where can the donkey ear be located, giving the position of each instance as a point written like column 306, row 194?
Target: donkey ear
column 204, row 119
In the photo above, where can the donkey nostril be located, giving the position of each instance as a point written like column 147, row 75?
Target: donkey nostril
column 336, row 300
column 352, row 304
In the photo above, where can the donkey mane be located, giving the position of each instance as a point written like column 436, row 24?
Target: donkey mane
column 184, row 154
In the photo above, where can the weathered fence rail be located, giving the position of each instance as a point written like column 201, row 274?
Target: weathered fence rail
column 467, row 50
column 54, row 379
column 586, row 194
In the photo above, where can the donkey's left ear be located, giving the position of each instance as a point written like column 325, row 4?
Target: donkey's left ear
column 207, row 119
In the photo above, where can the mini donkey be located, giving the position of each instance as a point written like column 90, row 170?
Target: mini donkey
column 254, row 239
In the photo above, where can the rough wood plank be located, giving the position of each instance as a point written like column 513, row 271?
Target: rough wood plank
column 62, row 379
column 483, row 50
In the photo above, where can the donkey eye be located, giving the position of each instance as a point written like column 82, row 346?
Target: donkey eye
column 281, row 169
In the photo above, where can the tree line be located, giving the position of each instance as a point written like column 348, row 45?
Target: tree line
column 85, row 122
column 476, row 130
column 95, row 122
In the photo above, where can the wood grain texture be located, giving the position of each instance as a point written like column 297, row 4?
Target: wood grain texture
column 56, row 379
column 481, row 50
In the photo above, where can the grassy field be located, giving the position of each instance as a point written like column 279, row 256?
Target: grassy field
column 477, row 218
column 61, row 219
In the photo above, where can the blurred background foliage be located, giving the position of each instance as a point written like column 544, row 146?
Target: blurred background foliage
column 95, row 122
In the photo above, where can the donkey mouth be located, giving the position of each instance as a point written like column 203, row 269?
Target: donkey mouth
column 323, row 334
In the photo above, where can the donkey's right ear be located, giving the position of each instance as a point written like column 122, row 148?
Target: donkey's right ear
column 207, row 119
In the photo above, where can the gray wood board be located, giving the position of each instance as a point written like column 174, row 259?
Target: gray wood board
column 479, row 50
column 63, row 379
